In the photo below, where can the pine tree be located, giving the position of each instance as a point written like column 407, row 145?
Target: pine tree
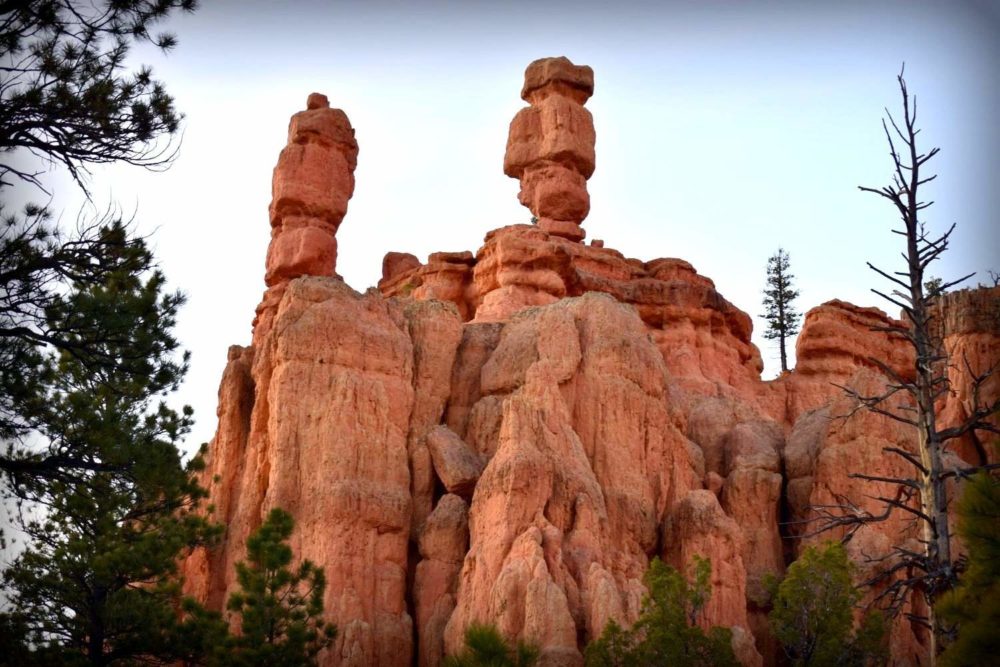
column 666, row 632
column 280, row 610
column 86, row 348
column 782, row 318
column 65, row 95
column 975, row 604
column 813, row 612
column 85, row 314
column 97, row 583
column 67, row 98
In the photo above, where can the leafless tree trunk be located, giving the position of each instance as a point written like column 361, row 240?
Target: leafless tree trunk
column 931, row 570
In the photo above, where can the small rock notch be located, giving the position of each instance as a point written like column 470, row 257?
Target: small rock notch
column 550, row 147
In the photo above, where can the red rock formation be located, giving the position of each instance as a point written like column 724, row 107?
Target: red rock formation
column 509, row 436
column 837, row 338
column 312, row 182
column 967, row 325
column 584, row 465
column 550, row 147
column 443, row 545
column 456, row 464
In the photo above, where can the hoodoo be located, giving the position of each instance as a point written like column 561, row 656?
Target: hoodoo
column 312, row 182
column 510, row 436
column 551, row 145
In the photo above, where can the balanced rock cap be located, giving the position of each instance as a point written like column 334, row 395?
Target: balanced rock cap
column 577, row 80
column 317, row 101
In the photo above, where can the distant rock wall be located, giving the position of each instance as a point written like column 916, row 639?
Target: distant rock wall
column 510, row 436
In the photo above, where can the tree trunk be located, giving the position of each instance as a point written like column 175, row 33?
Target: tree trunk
column 933, row 499
column 781, row 318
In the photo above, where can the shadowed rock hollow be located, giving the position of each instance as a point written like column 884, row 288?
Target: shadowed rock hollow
column 510, row 436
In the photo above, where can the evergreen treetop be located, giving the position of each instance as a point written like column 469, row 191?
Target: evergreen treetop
column 280, row 609
column 782, row 318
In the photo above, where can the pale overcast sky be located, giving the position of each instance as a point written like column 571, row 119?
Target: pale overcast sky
column 723, row 131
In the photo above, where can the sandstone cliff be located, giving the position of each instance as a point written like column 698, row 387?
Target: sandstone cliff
column 508, row 436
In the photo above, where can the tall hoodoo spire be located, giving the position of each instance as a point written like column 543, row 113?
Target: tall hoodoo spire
column 550, row 147
column 312, row 182
column 310, row 188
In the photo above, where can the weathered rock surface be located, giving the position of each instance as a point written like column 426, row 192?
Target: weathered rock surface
column 586, row 462
column 457, row 465
column 704, row 339
column 697, row 526
column 968, row 322
column 837, row 338
column 435, row 332
column 326, row 439
column 443, row 545
column 312, row 182
column 508, row 436
column 550, row 147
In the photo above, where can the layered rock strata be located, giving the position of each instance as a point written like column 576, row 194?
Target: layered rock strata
column 509, row 436
column 704, row 338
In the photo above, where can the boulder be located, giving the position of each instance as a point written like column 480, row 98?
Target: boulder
column 457, row 465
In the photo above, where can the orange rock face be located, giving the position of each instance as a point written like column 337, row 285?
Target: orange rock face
column 509, row 436
column 968, row 322
column 324, row 435
column 584, row 462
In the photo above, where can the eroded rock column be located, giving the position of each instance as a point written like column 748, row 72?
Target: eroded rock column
column 312, row 183
column 550, row 147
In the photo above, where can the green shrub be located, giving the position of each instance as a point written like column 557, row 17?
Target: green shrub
column 665, row 633
column 485, row 647
column 813, row 612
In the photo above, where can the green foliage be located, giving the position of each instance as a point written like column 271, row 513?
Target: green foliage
column 782, row 318
column 616, row 647
column 975, row 604
column 485, row 647
column 85, row 326
column 86, row 350
column 65, row 93
column 934, row 287
column 813, row 612
column 67, row 98
column 96, row 584
column 280, row 609
column 665, row 633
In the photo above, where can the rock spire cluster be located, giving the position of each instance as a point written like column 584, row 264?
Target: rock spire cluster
column 550, row 147
column 510, row 436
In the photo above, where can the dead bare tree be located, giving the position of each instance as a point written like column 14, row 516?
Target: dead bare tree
column 930, row 569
